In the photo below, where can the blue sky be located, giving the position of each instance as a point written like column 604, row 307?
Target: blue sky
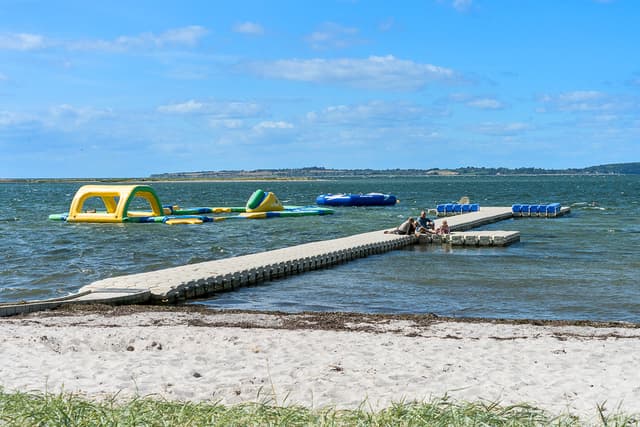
column 115, row 89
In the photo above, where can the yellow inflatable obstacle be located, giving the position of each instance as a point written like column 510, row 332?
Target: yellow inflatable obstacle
column 260, row 203
column 139, row 203
column 116, row 201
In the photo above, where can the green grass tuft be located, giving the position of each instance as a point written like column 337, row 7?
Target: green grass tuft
column 34, row 409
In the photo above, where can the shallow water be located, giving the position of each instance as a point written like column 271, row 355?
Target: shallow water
column 581, row 266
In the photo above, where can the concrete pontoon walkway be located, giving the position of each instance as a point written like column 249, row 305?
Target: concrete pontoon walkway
column 199, row 280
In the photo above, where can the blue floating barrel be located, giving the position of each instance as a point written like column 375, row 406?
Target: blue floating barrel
column 542, row 210
column 440, row 209
column 516, row 209
column 466, row 208
column 457, row 208
column 474, row 207
column 553, row 209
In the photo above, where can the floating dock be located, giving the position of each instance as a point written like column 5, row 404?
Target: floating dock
column 473, row 238
column 200, row 280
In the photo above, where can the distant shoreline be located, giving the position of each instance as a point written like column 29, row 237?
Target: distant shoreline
column 263, row 179
column 275, row 179
column 145, row 180
column 320, row 173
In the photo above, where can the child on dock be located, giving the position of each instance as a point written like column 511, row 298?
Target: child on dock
column 444, row 228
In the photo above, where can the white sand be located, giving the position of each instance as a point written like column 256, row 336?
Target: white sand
column 557, row 368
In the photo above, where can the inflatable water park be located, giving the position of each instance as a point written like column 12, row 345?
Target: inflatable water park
column 140, row 204
column 368, row 199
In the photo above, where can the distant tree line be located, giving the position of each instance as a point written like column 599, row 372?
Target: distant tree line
column 321, row 172
column 617, row 168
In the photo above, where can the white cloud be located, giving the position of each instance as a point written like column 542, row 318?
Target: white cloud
column 241, row 109
column 188, row 107
column 9, row 118
column 249, row 28
column 3, row 77
column 21, row 41
column 382, row 72
column 583, row 101
column 64, row 115
column 273, row 125
column 190, row 35
column 226, row 123
column 217, row 109
column 185, row 36
column 245, row 132
column 502, row 129
column 479, row 102
column 362, row 114
column 580, row 96
column 333, row 36
column 485, row 104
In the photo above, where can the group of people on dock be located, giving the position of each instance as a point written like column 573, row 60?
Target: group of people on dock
column 423, row 225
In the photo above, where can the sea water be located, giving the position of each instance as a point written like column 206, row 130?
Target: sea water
column 579, row 266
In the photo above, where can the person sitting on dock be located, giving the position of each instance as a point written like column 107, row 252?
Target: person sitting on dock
column 444, row 228
column 407, row 227
column 424, row 225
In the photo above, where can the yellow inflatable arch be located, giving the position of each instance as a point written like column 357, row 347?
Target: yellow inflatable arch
column 116, row 200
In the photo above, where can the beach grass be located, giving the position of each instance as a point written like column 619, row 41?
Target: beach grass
column 65, row 409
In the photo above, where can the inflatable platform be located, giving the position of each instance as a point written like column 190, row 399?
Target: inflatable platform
column 140, row 204
column 368, row 199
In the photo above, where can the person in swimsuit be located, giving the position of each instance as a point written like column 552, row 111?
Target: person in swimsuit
column 407, row 227
column 424, row 225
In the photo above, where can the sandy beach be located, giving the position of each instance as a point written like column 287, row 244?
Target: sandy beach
column 317, row 360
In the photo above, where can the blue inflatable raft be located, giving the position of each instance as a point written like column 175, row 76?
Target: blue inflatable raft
column 369, row 199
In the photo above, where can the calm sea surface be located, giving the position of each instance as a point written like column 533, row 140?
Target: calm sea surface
column 582, row 266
